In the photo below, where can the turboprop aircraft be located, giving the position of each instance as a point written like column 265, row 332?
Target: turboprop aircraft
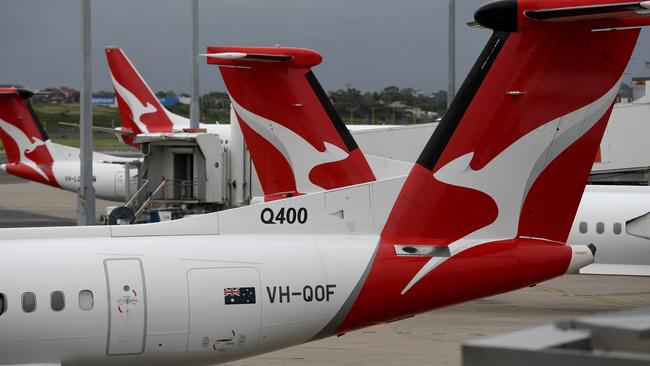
column 480, row 213
column 33, row 156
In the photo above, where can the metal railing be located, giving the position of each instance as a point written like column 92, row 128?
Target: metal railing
column 181, row 190
column 150, row 198
column 137, row 193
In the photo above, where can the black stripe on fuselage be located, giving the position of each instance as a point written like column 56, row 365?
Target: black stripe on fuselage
column 442, row 134
column 336, row 120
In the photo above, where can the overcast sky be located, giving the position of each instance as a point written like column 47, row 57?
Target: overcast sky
column 366, row 44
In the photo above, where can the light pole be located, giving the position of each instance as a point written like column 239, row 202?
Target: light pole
column 86, row 192
column 194, row 98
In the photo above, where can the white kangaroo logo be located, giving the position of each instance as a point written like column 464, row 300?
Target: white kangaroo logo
column 300, row 154
column 137, row 108
column 520, row 164
column 24, row 145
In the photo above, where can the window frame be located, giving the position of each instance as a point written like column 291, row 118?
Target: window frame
column 52, row 300
column 3, row 303
column 92, row 297
column 22, row 302
column 617, row 228
column 583, row 225
column 600, row 227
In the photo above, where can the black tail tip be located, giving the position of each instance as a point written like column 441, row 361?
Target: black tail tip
column 498, row 15
column 25, row 94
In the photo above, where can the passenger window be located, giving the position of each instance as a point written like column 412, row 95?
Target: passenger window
column 617, row 228
column 3, row 304
column 29, row 302
column 600, row 228
column 57, row 300
column 86, row 300
column 583, row 227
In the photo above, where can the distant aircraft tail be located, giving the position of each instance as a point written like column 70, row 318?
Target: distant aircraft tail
column 297, row 141
column 26, row 144
column 140, row 109
column 489, row 204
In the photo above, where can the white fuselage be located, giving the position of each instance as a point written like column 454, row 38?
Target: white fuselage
column 108, row 171
column 164, row 300
column 160, row 291
column 108, row 179
column 604, row 212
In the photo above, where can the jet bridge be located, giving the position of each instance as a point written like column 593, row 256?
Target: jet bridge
column 183, row 172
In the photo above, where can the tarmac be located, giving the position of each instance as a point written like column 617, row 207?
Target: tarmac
column 433, row 338
column 24, row 204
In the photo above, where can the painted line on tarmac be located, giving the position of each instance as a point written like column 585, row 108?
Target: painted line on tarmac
column 587, row 296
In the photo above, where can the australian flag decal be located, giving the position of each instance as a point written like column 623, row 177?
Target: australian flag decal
column 239, row 295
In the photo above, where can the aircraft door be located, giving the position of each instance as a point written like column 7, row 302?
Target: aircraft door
column 183, row 176
column 127, row 306
column 225, row 310
column 119, row 184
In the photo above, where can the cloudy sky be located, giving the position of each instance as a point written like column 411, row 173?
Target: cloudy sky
column 367, row 44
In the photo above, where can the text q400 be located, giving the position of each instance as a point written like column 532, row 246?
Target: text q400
column 289, row 215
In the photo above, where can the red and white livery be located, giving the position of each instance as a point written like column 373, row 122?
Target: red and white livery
column 140, row 110
column 297, row 140
column 33, row 156
column 486, row 209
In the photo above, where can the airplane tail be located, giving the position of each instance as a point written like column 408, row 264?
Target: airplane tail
column 297, row 141
column 26, row 144
column 490, row 202
column 140, row 109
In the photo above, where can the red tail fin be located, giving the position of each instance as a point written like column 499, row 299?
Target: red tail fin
column 489, row 204
column 520, row 139
column 297, row 141
column 140, row 110
column 24, row 138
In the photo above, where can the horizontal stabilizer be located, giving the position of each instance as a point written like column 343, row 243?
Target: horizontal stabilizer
column 239, row 56
column 248, row 56
column 604, row 11
column 616, row 269
column 101, row 129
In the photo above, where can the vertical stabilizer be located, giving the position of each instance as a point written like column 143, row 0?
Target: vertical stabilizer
column 297, row 141
column 489, row 204
column 140, row 109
